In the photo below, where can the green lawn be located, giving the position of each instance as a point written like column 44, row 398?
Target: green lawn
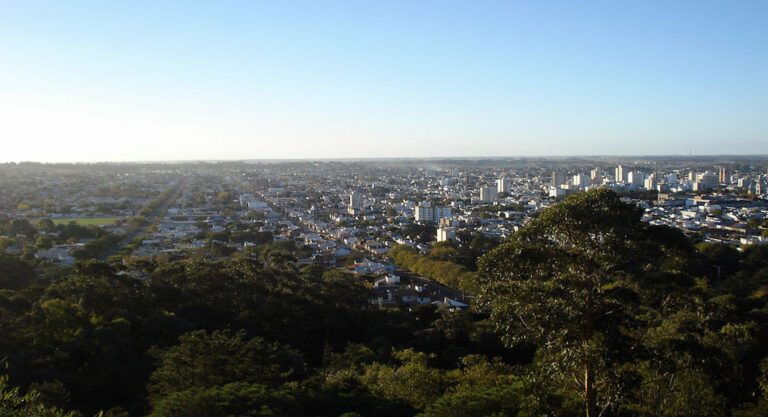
column 95, row 221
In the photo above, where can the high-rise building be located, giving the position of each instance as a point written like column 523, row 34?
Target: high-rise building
column 594, row 175
column 671, row 178
column 744, row 182
column 558, row 178
column 650, row 182
column 488, row 194
column 621, row 174
column 431, row 214
column 635, row 178
column 580, row 180
column 705, row 181
column 709, row 179
column 355, row 200
column 723, row 176
column 761, row 186
column 502, row 185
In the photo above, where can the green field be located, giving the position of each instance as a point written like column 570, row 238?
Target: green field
column 87, row 221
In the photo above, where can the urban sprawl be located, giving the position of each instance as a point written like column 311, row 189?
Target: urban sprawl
column 353, row 214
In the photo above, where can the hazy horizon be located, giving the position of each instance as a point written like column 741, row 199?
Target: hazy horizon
column 178, row 81
column 413, row 158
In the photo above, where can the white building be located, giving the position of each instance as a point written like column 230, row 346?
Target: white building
column 581, row 180
column 502, row 185
column 594, row 175
column 446, row 233
column 705, row 181
column 389, row 279
column 650, row 182
column 556, row 192
column 355, row 200
column 671, row 179
column 621, row 174
column 488, row 194
column 635, row 178
column 431, row 214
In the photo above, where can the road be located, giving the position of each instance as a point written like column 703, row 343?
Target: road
column 150, row 220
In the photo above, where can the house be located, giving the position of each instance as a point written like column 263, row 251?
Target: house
column 390, row 279
column 376, row 247
column 451, row 304
column 366, row 266
column 59, row 254
column 411, row 297
column 341, row 252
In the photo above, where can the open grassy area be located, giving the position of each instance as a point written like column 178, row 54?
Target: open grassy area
column 95, row 221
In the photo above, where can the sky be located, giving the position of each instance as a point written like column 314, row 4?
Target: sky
column 85, row 81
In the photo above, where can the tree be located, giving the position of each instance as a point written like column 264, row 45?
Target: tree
column 718, row 260
column 46, row 224
column 480, row 401
column 14, row 404
column 445, row 272
column 761, row 407
column 44, row 242
column 21, row 227
column 422, row 233
column 238, row 398
column 15, row 274
column 569, row 281
column 413, row 382
column 444, row 251
column 136, row 222
column 205, row 360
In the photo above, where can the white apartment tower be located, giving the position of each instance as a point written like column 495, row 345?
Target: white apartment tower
column 502, row 185
column 488, row 194
column 650, row 182
column 635, row 178
column 580, row 180
column 431, row 214
column 355, row 200
column 621, row 174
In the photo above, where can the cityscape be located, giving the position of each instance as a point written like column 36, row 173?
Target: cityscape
column 391, row 236
column 350, row 214
column 331, row 210
column 383, row 209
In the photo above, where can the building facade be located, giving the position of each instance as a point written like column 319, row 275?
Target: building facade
column 431, row 214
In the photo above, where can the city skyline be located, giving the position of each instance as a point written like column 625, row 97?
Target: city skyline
column 90, row 82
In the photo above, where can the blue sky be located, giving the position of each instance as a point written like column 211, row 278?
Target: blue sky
column 159, row 80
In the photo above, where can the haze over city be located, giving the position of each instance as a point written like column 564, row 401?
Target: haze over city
column 149, row 81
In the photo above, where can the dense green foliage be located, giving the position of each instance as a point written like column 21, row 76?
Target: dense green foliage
column 15, row 404
column 585, row 295
column 620, row 315
column 442, row 271
column 228, row 334
column 95, row 248
column 15, row 274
